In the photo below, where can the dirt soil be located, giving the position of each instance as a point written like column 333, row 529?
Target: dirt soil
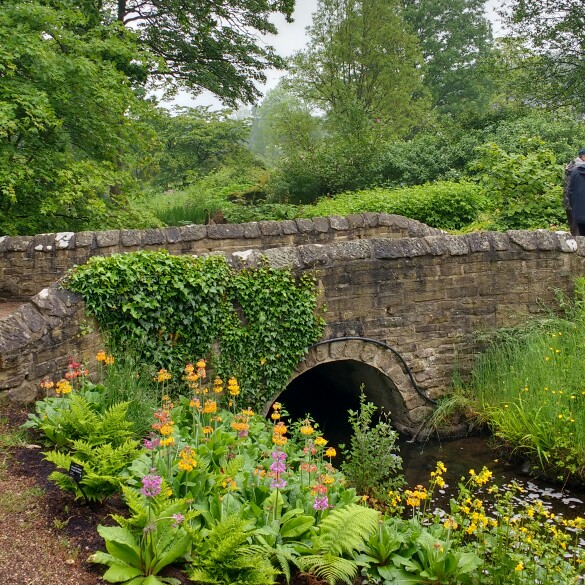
column 46, row 536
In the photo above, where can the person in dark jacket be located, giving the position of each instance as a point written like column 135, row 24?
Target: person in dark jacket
column 577, row 197
column 577, row 162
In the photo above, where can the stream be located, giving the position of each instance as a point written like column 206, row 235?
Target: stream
column 461, row 455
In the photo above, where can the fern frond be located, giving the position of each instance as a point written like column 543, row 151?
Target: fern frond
column 226, row 537
column 329, row 567
column 346, row 529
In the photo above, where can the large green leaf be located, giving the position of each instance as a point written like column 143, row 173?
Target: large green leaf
column 296, row 526
column 121, row 573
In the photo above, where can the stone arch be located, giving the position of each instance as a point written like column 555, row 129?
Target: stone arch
column 388, row 381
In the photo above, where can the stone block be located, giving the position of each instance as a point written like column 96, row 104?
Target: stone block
column 193, row 232
column 314, row 255
column 270, row 228
column 13, row 337
column 395, row 221
column 289, row 227
column 525, row 239
column 321, row 224
column 25, row 393
column 305, row 226
column 350, row 250
column 285, row 257
column 338, row 223
column 478, row 242
column 386, row 248
column 252, row 230
column 225, row 231
column 437, row 245
column 85, row 240
column 130, row 238
column 107, row 238
column 355, row 221
column 371, row 220
column 18, row 243
column 154, row 237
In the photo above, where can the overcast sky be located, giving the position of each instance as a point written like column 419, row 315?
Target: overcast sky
column 291, row 37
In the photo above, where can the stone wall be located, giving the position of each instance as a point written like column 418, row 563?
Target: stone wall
column 31, row 263
column 427, row 296
column 423, row 296
column 38, row 339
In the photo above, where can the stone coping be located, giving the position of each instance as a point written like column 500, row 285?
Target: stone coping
column 54, row 242
column 313, row 255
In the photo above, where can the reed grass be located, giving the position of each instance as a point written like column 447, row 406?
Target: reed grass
column 530, row 388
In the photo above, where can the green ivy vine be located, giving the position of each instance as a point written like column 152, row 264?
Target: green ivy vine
column 254, row 323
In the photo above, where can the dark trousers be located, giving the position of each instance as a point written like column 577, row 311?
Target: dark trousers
column 573, row 224
column 580, row 229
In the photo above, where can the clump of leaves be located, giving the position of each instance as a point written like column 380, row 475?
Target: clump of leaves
column 172, row 308
column 343, row 532
column 372, row 464
column 65, row 419
column 223, row 556
column 103, row 467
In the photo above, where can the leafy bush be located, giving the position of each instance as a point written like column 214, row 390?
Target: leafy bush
column 103, row 467
column 445, row 204
column 171, row 308
column 80, row 416
column 372, row 464
column 227, row 492
column 527, row 386
column 523, row 190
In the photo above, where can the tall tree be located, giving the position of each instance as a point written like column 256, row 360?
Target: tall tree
column 362, row 67
column 68, row 117
column 197, row 141
column 205, row 44
column 456, row 39
column 283, row 124
column 555, row 30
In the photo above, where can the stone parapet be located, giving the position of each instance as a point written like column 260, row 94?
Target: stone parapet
column 31, row 263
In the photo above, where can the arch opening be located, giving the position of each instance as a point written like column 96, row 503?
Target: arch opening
column 328, row 390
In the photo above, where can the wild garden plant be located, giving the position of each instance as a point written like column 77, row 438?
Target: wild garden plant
column 528, row 387
column 237, row 498
column 255, row 324
column 372, row 464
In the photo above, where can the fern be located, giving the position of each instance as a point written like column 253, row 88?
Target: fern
column 344, row 531
column 347, row 529
column 224, row 558
column 103, row 465
column 329, row 567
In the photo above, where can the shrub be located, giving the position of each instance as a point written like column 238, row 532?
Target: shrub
column 445, row 204
column 372, row 464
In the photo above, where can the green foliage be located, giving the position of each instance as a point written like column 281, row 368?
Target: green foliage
column 524, row 189
column 444, row 204
column 343, row 532
column 61, row 148
column 66, row 419
column 554, row 33
column 372, row 465
column 528, row 388
column 361, row 67
column 103, row 467
column 142, row 546
column 197, row 50
column 196, row 142
column 455, row 38
column 171, row 309
column 223, row 557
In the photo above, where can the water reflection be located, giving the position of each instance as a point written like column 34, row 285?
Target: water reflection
column 461, row 455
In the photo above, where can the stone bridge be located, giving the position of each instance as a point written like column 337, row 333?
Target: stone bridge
column 404, row 301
